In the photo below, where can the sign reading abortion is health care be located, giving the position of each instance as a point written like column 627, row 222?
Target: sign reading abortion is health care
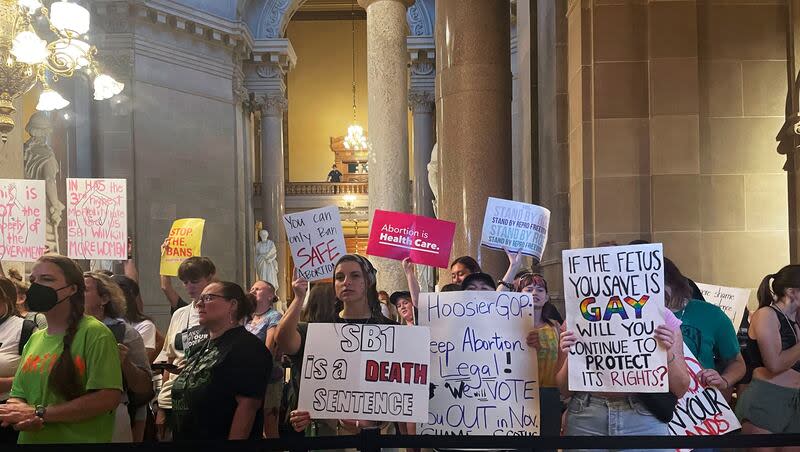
column 22, row 219
column 317, row 242
column 515, row 226
column 365, row 372
column 484, row 377
column 401, row 235
column 614, row 299
column 97, row 219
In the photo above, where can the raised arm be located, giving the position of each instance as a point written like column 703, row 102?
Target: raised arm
column 287, row 338
column 515, row 262
column 411, row 276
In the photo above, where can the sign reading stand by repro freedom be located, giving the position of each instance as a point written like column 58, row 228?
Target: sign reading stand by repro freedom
column 515, row 226
column 614, row 300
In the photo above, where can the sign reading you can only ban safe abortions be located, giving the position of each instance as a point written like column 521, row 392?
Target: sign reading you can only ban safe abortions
column 515, row 226
column 484, row 377
column 399, row 235
column 365, row 372
column 22, row 219
column 97, row 219
column 317, row 242
column 614, row 299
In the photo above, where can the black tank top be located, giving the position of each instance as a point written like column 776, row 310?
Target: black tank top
column 788, row 340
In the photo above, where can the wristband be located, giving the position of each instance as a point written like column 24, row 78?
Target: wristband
column 727, row 384
column 507, row 285
column 672, row 359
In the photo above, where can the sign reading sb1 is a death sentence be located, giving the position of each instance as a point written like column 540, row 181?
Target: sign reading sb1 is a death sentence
column 484, row 378
column 97, row 219
column 317, row 242
column 614, row 300
column 365, row 372
column 185, row 240
column 22, row 219
column 515, row 226
column 400, row 235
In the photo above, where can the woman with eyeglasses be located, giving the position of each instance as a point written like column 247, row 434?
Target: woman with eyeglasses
column 219, row 394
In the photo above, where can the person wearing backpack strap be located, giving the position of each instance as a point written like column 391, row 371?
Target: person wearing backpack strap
column 14, row 334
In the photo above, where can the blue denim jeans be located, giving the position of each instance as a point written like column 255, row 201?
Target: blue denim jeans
column 590, row 415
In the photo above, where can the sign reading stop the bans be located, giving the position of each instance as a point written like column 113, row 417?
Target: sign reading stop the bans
column 184, row 241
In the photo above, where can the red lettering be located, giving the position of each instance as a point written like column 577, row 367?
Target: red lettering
column 371, row 372
column 396, row 373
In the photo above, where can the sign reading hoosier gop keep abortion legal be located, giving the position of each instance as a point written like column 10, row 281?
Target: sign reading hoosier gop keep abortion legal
column 732, row 300
column 614, row 299
column 23, row 219
column 365, row 372
column 97, row 219
column 185, row 240
column 702, row 411
column 484, row 377
column 317, row 242
column 401, row 235
column 515, row 226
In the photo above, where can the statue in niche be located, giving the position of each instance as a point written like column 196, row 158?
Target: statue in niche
column 433, row 177
column 41, row 164
column 266, row 259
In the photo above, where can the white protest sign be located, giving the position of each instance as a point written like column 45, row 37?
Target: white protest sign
column 614, row 300
column 702, row 411
column 97, row 219
column 316, row 239
column 365, row 372
column 515, row 226
column 732, row 300
column 484, row 376
column 23, row 219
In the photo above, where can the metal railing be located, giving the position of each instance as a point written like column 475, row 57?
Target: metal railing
column 319, row 188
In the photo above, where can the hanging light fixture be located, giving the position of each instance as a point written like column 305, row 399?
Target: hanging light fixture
column 26, row 59
column 355, row 140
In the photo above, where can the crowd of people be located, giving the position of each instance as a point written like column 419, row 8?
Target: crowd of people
column 81, row 363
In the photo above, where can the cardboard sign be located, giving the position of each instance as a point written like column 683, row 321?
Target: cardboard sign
column 732, row 300
column 515, row 226
column 185, row 240
column 365, row 372
column 97, row 219
column 398, row 235
column 23, row 219
column 484, row 376
column 317, row 242
column 614, row 300
column 702, row 411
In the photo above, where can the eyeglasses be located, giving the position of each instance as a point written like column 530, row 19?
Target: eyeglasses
column 205, row 298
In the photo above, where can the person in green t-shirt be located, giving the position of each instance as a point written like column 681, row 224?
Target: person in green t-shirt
column 69, row 381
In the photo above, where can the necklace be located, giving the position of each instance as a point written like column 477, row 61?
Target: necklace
column 679, row 314
column 791, row 324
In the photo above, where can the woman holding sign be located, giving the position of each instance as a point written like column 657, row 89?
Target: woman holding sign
column 771, row 404
column 356, row 301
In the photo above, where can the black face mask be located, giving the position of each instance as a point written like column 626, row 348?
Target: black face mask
column 42, row 298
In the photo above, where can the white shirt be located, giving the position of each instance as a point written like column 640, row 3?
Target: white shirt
column 10, row 333
column 147, row 330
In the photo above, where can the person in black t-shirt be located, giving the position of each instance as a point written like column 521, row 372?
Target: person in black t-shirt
column 356, row 302
column 220, row 392
column 334, row 175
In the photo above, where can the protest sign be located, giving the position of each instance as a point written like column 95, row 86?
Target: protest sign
column 702, row 411
column 515, row 226
column 97, row 219
column 185, row 240
column 365, row 372
column 23, row 219
column 422, row 239
column 614, row 300
column 732, row 300
column 484, row 378
column 317, row 242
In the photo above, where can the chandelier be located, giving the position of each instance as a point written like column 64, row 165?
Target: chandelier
column 355, row 139
column 27, row 59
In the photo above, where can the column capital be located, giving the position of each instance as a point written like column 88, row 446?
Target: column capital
column 271, row 104
column 421, row 101
column 365, row 3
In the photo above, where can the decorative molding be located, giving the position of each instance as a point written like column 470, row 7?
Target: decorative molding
column 421, row 101
column 422, row 56
column 420, row 21
column 275, row 16
column 271, row 104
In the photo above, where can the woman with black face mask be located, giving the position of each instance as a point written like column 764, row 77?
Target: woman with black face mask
column 69, row 380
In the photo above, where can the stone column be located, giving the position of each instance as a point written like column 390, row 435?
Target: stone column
column 273, row 105
column 422, row 103
column 388, row 117
column 473, row 114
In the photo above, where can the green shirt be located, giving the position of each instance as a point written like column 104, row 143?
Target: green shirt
column 96, row 357
column 708, row 333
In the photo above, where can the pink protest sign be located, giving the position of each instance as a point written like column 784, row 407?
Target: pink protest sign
column 97, row 219
column 22, row 219
column 400, row 235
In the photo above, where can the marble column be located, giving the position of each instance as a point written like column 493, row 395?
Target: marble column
column 387, row 74
column 273, row 105
column 473, row 114
column 422, row 103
